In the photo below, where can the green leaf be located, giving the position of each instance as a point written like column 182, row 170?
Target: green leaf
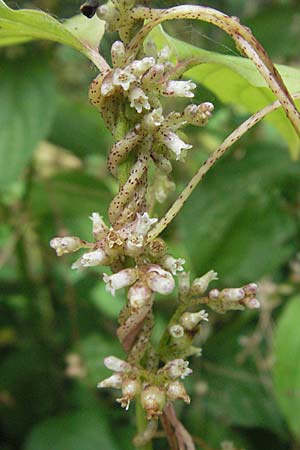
column 78, row 127
column 286, row 371
column 84, row 430
column 236, row 393
column 27, row 108
column 236, row 221
column 72, row 198
column 235, row 80
column 93, row 350
column 24, row 25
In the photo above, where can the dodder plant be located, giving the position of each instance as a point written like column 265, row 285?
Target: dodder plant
column 129, row 96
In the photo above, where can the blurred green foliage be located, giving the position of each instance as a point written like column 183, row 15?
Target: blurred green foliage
column 243, row 221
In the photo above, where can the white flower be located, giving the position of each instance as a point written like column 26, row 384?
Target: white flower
column 138, row 99
column 177, row 368
column 190, row 320
column 90, row 259
column 160, row 280
column 119, row 280
column 174, row 143
column 66, row 244
column 139, row 67
column 117, row 364
column 171, row 264
column 123, row 78
column 179, row 88
column 115, row 381
column 144, row 223
column 100, row 229
column 176, row 331
column 200, row 285
column 138, row 295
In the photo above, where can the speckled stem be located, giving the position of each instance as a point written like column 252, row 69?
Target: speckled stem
column 210, row 162
column 243, row 37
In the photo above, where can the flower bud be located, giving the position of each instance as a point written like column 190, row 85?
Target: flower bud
column 198, row 114
column 154, row 75
column 171, row 264
column 251, row 303
column 200, row 285
column 130, row 388
column 177, row 368
column 115, row 381
column 110, row 15
column 113, row 243
column 179, row 88
column 119, row 280
column 250, row 289
column 160, row 280
column 176, row 391
column 100, row 229
column 157, row 248
column 183, row 282
column 116, row 364
column 138, row 295
column 176, row 331
column 214, row 294
column 153, row 401
column 139, row 67
column 118, row 54
column 66, row 244
column 190, row 320
column 232, row 295
column 90, row 259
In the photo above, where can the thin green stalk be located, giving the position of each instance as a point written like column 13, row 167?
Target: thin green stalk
column 141, row 423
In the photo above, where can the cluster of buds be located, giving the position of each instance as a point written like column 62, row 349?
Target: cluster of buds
column 233, row 298
column 155, row 390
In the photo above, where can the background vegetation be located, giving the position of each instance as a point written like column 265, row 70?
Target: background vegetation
column 243, row 221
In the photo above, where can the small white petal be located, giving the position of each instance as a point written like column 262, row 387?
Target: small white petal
column 123, row 78
column 138, row 99
column 116, row 364
column 179, row 88
column 90, row 259
column 174, row 143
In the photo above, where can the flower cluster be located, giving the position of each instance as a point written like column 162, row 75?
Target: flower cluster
column 153, row 271
column 155, row 390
